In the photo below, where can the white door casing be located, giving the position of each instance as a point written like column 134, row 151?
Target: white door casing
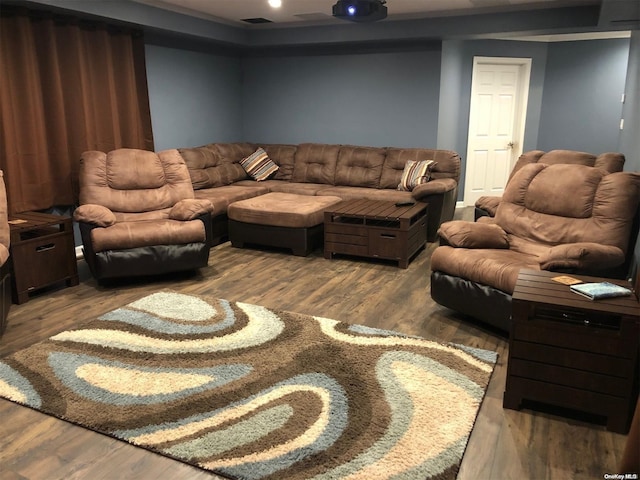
column 499, row 93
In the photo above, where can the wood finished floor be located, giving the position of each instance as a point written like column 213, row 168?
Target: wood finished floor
column 505, row 444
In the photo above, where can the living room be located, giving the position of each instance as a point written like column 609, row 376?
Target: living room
column 401, row 83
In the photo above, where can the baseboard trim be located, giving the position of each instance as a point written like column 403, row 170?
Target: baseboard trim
column 459, row 204
column 79, row 253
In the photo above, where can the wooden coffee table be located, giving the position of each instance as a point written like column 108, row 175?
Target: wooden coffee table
column 375, row 229
column 572, row 352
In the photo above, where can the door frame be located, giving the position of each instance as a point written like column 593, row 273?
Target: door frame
column 520, row 117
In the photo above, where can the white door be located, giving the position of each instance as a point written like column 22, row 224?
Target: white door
column 499, row 92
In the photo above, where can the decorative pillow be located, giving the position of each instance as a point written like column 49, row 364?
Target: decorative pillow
column 258, row 165
column 415, row 173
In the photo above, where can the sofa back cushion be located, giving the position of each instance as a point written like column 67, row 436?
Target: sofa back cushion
column 563, row 203
column 447, row 164
column 315, row 163
column 283, row 156
column 216, row 164
column 359, row 166
column 131, row 180
column 610, row 162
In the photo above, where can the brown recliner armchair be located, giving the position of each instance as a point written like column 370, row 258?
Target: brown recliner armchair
column 610, row 162
column 568, row 218
column 138, row 215
column 5, row 271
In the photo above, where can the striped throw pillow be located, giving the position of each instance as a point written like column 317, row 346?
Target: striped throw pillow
column 415, row 173
column 258, row 165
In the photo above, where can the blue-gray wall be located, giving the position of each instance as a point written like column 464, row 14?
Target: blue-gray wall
column 195, row 98
column 377, row 99
column 630, row 135
column 581, row 106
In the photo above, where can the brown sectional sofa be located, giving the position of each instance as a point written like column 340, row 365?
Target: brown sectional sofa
column 345, row 171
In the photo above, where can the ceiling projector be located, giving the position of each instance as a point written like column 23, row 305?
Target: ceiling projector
column 360, row 10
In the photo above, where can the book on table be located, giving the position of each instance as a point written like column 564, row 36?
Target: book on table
column 597, row 290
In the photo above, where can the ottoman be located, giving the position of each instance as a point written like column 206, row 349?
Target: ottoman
column 284, row 220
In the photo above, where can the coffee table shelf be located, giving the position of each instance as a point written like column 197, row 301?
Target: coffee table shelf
column 375, row 229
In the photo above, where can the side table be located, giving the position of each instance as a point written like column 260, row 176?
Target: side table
column 42, row 253
column 572, row 352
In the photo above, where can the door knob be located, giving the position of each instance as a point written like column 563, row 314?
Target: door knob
column 510, row 145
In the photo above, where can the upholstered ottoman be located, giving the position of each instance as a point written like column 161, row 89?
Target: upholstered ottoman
column 281, row 220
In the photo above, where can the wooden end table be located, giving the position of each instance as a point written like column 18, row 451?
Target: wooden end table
column 572, row 352
column 42, row 253
column 375, row 229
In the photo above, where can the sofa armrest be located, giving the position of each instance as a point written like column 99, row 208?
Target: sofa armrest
column 461, row 234
column 190, row 208
column 97, row 215
column 488, row 204
column 436, row 186
column 582, row 255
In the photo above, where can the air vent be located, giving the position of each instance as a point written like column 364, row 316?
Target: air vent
column 256, row 20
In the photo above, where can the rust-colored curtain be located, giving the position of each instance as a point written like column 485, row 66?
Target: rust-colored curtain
column 66, row 86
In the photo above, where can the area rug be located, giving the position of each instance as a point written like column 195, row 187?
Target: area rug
column 253, row 393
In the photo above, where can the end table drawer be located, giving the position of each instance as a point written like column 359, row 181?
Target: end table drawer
column 43, row 261
column 42, row 253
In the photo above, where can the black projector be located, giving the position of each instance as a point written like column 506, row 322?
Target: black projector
column 360, row 10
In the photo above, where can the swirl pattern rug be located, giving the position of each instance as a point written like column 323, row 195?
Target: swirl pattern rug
column 253, row 393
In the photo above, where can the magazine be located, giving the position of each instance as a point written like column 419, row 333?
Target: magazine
column 597, row 290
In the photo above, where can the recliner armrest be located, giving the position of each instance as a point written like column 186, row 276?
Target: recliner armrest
column 190, row 208
column 582, row 255
column 462, row 234
column 94, row 214
column 435, row 186
column 488, row 204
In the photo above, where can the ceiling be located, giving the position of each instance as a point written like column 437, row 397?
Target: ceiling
column 318, row 12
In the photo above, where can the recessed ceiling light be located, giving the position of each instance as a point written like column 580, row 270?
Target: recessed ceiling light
column 275, row 3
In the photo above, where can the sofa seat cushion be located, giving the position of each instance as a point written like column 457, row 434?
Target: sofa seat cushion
column 222, row 197
column 298, row 188
column 355, row 193
column 125, row 235
column 264, row 184
column 282, row 210
column 497, row 268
